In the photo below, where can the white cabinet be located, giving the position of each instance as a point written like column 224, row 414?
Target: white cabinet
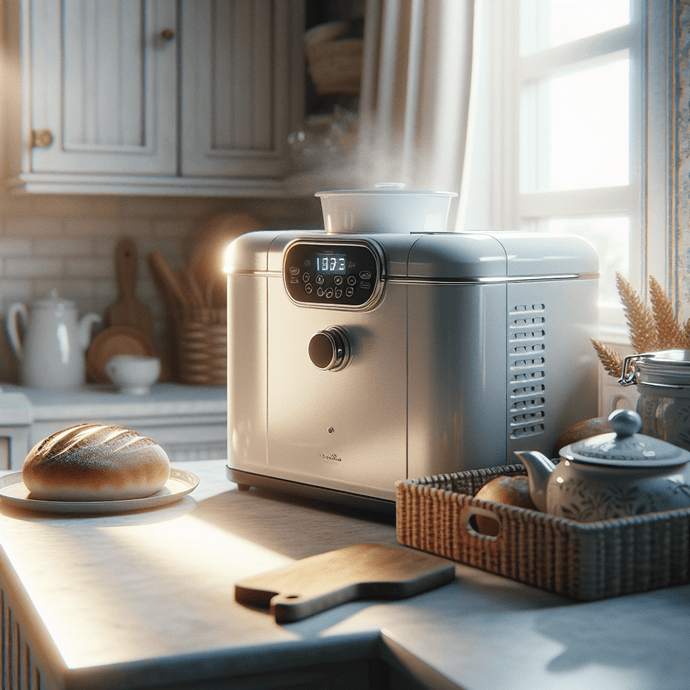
column 103, row 82
column 158, row 96
column 235, row 87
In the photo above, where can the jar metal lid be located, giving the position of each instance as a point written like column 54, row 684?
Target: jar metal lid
column 665, row 368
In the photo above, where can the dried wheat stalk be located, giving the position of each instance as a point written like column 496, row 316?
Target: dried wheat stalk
column 641, row 326
column 650, row 330
column 611, row 360
column 670, row 334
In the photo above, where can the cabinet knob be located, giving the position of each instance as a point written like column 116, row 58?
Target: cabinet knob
column 41, row 138
column 167, row 35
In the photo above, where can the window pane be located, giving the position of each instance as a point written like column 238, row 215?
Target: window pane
column 611, row 237
column 576, row 130
column 548, row 23
column 571, row 19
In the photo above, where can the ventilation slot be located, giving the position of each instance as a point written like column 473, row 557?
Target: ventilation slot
column 526, row 370
column 18, row 671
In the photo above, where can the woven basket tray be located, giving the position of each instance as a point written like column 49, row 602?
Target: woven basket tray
column 202, row 351
column 584, row 561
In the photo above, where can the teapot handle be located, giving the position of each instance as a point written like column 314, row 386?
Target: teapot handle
column 85, row 324
column 17, row 312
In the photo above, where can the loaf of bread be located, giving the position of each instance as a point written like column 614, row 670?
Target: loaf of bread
column 512, row 490
column 91, row 462
column 508, row 490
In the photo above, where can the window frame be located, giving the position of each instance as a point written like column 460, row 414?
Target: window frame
column 651, row 197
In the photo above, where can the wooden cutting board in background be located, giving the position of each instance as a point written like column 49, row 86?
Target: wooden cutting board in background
column 362, row 571
column 128, row 311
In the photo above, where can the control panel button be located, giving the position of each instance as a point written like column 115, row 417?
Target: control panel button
column 365, row 275
column 351, row 280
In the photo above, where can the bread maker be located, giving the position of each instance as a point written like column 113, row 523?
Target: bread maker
column 356, row 359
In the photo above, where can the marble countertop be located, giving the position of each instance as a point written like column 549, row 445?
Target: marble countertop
column 103, row 400
column 147, row 598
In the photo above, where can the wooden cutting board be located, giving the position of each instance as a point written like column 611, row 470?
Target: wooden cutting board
column 362, row 571
column 128, row 311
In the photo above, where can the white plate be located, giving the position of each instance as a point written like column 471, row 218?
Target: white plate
column 14, row 493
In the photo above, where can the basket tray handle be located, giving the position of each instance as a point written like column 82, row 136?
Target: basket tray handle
column 470, row 525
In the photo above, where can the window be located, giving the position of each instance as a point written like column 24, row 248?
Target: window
column 577, row 95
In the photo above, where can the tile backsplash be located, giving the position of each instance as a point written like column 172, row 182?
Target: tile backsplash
column 68, row 245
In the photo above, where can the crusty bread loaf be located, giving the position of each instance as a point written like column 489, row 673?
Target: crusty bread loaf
column 91, row 462
column 508, row 490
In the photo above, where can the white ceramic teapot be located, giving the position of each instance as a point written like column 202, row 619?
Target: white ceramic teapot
column 51, row 352
column 611, row 475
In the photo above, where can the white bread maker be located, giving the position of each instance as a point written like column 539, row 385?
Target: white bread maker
column 358, row 359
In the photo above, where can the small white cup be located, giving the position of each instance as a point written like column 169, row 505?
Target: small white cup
column 133, row 374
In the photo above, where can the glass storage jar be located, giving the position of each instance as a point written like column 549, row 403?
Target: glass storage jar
column 663, row 382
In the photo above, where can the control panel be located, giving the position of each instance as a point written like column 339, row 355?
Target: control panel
column 345, row 275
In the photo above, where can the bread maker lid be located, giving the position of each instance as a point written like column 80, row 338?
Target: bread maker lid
column 499, row 254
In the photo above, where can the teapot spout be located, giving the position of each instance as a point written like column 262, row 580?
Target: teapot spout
column 539, row 469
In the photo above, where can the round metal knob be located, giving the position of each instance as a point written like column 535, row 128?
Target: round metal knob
column 329, row 349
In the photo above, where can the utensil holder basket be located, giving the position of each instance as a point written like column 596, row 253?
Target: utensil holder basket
column 202, row 351
column 584, row 561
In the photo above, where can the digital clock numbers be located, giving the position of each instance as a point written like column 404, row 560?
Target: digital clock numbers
column 330, row 263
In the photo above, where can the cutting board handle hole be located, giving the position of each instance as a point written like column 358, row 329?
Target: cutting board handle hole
column 292, row 596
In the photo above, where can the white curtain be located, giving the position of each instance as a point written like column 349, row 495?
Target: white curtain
column 416, row 91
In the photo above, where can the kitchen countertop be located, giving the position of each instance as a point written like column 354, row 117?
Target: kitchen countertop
column 147, row 600
column 103, row 400
column 189, row 422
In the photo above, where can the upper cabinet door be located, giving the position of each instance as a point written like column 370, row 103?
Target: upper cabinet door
column 104, row 86
column 237, row 71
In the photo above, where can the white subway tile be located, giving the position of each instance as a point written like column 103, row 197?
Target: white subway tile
column 80, row 290
column 14, row 246
column 33, row 227
column 32, row 268
column 96, row 228
column 105, row 246
column 18, row 290
column 63, row 247
column 172, row 228
column 135, row 229
column 106, row 292
column 76, row 267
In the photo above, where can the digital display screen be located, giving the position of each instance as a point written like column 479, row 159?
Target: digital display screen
column 330, row 263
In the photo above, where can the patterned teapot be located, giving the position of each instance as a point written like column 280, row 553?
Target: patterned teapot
column 612, row 475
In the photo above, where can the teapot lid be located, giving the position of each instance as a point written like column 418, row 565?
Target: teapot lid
column 625, row 447
column 53, row 301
